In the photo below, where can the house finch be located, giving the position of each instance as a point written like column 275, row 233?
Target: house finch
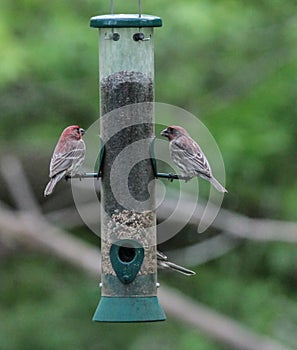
column 188, row 156
column 67, row 157
column 165, row 264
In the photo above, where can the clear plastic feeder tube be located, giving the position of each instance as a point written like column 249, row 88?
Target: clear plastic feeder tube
column 128, row 220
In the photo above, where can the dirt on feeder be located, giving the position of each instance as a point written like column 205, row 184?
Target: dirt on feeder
column 134, row 92
column 124, row 88
column 129, row 224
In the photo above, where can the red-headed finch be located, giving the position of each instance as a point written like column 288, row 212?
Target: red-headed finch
column 188, row 156
column 67, row 157
column 163, row 263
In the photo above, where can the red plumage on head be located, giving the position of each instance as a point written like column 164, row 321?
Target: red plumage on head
column 72, row 131
column 174, row 131
column 179, row 129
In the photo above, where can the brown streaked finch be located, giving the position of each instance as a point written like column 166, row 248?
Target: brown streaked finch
column 67, row 157
column 163, row 263
column 188, row 156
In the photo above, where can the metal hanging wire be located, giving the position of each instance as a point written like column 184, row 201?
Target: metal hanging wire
column 112, row 7
column 139, row 8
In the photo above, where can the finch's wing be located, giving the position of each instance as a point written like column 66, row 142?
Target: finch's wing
column 191, row 156
column 62, row 161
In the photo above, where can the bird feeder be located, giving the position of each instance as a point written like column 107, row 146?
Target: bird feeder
column 128, row 221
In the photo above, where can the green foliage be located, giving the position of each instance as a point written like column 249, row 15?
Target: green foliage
column 53, row 310
column 257, row 291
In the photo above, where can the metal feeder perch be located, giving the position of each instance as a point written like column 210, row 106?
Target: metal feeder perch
column 129, row 265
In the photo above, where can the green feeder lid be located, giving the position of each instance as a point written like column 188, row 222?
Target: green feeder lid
column 124, row 21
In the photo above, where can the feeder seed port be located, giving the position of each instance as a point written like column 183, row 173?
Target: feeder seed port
column 112, row 36
column 140, row 37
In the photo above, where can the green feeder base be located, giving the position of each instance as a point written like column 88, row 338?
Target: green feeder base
column 129, row 309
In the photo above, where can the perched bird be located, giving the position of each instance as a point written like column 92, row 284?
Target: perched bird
column 163, row 262
column 67, row 157
column 188, row 156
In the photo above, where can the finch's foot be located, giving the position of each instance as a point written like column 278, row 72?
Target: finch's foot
column 185, row 178
column 171, row 177
column 81, row 174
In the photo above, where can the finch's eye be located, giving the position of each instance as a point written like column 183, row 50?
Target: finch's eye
column 77, row 130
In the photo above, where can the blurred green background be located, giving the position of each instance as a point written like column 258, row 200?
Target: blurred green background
column 231, row 63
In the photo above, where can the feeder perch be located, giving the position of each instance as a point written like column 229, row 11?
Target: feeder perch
column 128, row 232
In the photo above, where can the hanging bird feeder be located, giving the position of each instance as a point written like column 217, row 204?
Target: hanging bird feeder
column 128, row 231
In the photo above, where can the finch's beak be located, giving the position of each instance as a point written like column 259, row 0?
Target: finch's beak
column 82, row 131
column 165, row 133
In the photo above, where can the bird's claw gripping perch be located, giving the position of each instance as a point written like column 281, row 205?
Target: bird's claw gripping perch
column 78, row 175
column 81, row 175
column 185, row 178
column 171, row 177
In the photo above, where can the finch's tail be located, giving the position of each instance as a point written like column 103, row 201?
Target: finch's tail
column 175, row 267
column 165, row 264
column 217, row 185
column 52, row 183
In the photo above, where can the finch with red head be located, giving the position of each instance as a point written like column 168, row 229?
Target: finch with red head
column 188, row 156
column 67, row 157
